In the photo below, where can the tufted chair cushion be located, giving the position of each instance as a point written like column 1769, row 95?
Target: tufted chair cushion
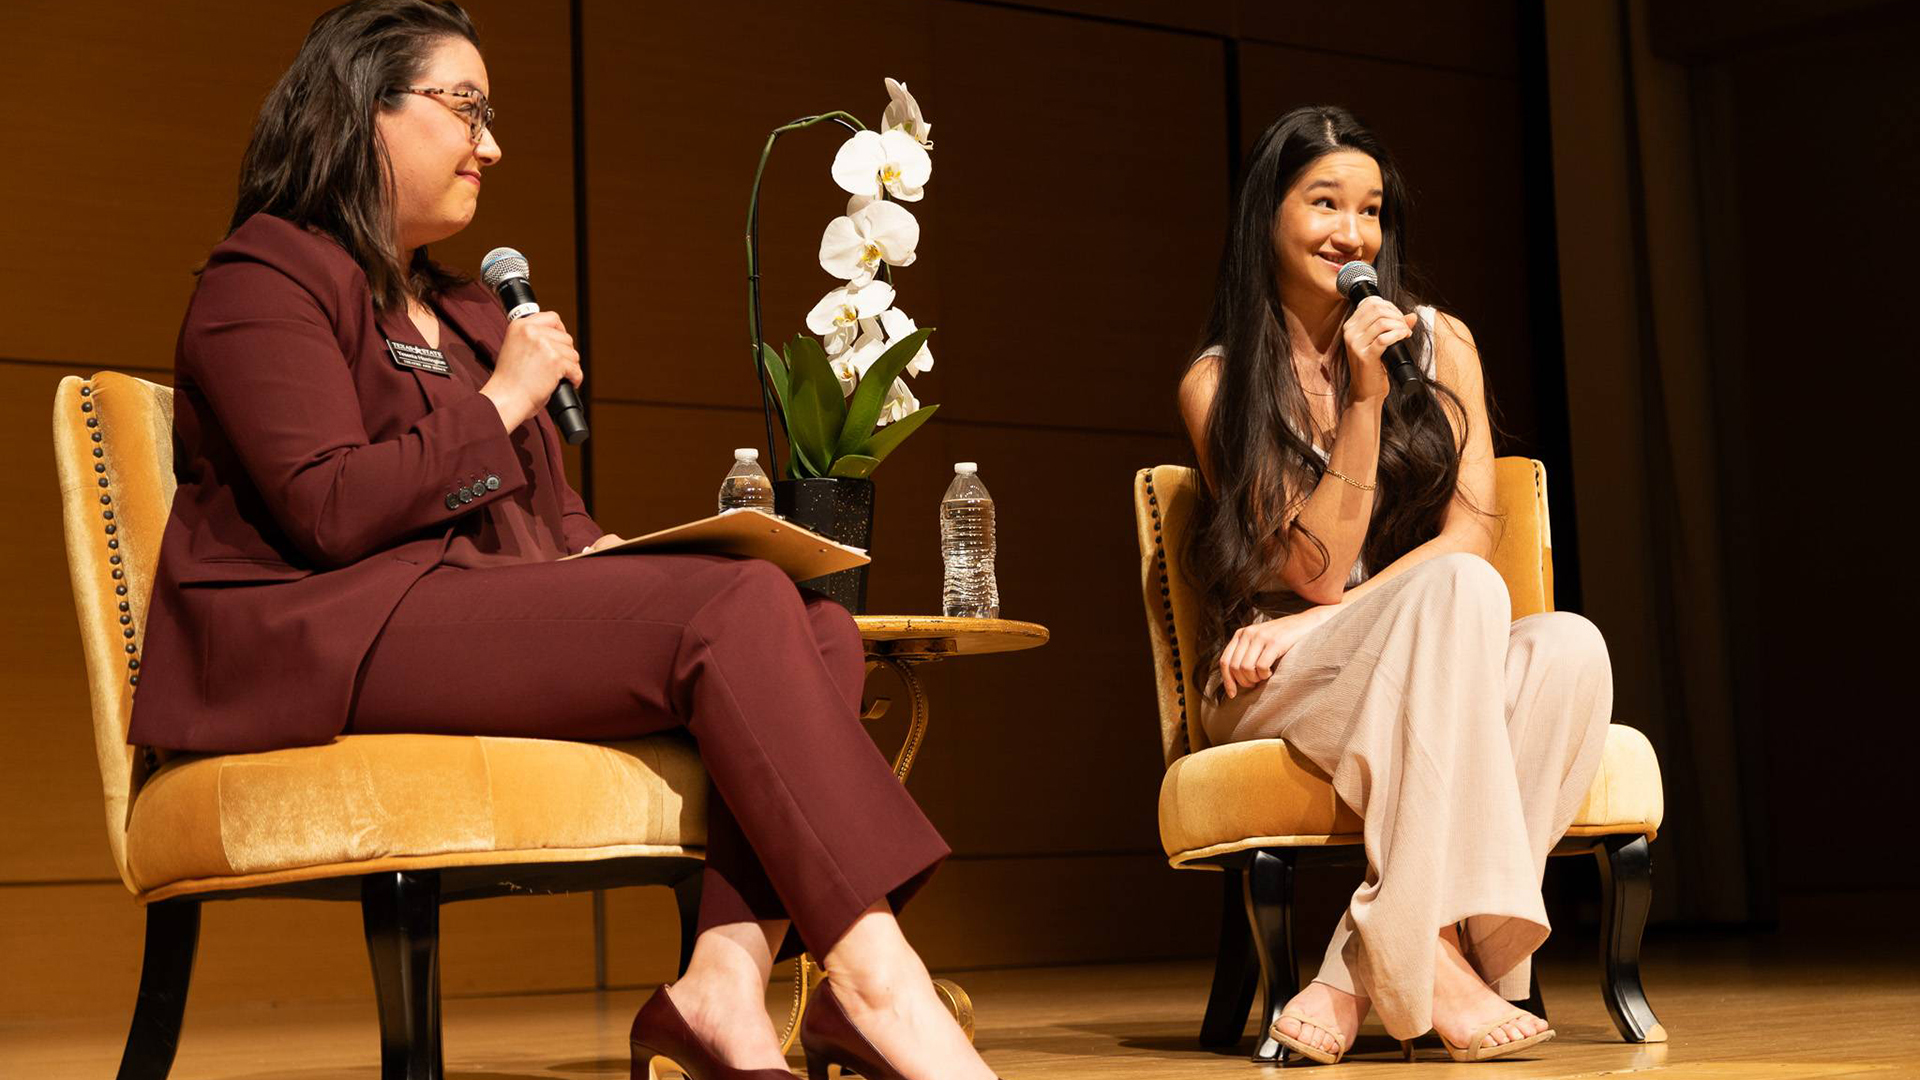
column 208, row 823
column 1215, row 800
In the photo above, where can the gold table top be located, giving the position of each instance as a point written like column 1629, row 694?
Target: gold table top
column 930, row 636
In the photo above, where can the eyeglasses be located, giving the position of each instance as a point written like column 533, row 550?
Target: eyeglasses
column 473, row 107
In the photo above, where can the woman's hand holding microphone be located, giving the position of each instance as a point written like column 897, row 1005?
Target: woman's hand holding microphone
column 1374, row 326
column 537, row 354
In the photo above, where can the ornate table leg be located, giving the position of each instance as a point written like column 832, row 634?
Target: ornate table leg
column 916, row 716
column 808, row 975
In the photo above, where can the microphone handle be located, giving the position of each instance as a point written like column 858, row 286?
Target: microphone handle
column 516, row 295
column 1400, row 366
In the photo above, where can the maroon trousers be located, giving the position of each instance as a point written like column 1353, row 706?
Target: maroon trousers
column 806, row 820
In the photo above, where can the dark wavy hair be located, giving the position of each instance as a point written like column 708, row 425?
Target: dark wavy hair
column 1258, row 435
column 316, row 158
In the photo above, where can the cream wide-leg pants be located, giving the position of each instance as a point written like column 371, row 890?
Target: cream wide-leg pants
column 1465, row 743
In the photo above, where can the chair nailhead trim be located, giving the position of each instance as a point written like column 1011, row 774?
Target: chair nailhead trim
column 113, row 543
column 1166, row 603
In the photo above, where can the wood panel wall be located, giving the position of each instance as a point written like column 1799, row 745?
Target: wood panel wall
column 1081, row 182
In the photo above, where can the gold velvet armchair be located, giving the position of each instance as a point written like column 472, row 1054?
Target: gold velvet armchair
column 399, row 823
column 1255, row 810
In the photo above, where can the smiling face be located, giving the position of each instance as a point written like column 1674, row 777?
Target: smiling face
column 1329, row 217
column 436, row 165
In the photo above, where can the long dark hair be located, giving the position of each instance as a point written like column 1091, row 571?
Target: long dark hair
column 1259, row 427
column 316, row 158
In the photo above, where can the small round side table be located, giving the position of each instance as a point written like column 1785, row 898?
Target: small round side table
column 900, row 643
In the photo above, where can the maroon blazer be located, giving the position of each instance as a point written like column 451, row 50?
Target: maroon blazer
column 318, row 480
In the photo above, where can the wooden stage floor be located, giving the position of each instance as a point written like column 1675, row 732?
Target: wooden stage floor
column 1735, row 1007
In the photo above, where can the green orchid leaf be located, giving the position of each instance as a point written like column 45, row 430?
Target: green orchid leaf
column 864, row 409
column 887, row 438
column 776, row 369
column 798, row 463
column 776, row 372
column 811, row 376
column 809, row 438
column 856, row 466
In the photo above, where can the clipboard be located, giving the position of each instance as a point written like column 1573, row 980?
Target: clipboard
column 755, row 534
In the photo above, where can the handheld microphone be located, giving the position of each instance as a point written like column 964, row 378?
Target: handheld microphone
column 505, row 272
column 1357, row 281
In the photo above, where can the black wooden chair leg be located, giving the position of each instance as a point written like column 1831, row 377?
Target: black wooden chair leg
column 1626, row 894
column 1268, row 894
column 402, row 916
column 166, row 970
column 686, row 897
column 1235, row 969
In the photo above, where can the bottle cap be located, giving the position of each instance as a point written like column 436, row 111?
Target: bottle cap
column 746, row 453
column 966, row 468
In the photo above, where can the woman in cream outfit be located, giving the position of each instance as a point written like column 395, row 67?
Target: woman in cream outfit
column 1341, row 544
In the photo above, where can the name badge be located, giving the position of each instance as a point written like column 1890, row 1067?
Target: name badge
column 419, row 358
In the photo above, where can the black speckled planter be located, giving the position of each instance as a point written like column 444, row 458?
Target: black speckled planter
column 840, row 509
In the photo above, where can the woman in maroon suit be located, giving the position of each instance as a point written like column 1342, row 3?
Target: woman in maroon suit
column 370, row 508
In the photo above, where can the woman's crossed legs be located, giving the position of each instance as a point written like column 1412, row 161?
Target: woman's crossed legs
column 805, row 817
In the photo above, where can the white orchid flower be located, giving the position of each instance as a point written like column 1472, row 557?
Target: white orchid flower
column 873, row 161
column 856, row 354
column 854, row 246
column 900, row 403
column 903, row 114
column 838, row 313
column 898, row 325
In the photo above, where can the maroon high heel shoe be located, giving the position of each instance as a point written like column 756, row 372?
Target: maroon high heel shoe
column 832, row 1042
column 659, row 1031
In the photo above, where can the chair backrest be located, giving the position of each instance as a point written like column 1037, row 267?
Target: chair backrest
column 113, row 447
column 1163, row 503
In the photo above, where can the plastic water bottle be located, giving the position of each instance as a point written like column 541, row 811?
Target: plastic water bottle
column 966, row 544
column 746, row 486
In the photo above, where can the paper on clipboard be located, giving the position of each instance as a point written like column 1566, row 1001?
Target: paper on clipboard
column 755, row 534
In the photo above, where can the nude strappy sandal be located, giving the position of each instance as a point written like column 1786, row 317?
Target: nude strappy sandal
column 1308, row 1050
column 1477, row 1048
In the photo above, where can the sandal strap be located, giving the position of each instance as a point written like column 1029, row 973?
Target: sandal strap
column 1326, row 1026
column 1480, row 1036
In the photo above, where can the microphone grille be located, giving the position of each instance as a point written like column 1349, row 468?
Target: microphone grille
column 501, row 265
column 1353, row 274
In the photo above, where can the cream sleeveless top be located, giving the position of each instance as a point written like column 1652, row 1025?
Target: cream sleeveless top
column 1284, row 601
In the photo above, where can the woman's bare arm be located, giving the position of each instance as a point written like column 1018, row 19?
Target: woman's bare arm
column 1469, row 523
column 1336, row 512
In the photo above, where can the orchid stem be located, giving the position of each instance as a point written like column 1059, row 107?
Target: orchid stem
column 848, row 121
